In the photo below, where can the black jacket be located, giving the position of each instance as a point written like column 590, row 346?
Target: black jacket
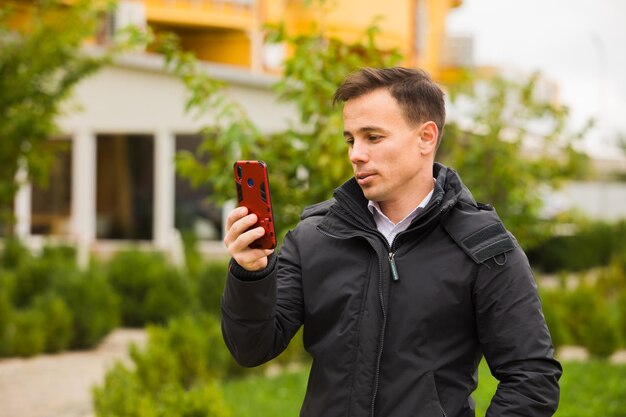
column 399, row 330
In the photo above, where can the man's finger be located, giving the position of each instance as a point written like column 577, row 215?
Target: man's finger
column 244, row 240
column 235, row 215
column 239, row 227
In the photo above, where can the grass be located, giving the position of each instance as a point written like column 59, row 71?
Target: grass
column 588, row 389
column 260, row 396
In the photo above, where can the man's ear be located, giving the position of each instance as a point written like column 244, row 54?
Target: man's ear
column 428, row 137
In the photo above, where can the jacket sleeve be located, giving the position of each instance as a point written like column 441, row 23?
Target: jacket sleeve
column 515, row 338
column 261, row 312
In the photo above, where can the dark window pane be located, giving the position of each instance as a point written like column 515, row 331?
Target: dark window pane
column 193, row 212
column 51, row 202
column 125, row 187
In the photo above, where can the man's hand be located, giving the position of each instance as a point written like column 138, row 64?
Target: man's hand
column 238, row 239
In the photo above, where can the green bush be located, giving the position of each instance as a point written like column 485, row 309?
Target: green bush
column 555, row 312
column 59, row 323
column 601, row 335
column 151, row 290
column 612, row 278
column 94, row 304
column 6, row 323
column 29, row 337
column 39, row 274
column 171, row 295
column 188, row 350
column 587, row 317
column 14, row 254
column 60, row 254
column 621, row 316
column 579, row 305
column 123, row 394
column 211, row 285
column 193, row 258
column 55, row 306
column 592, row 246
column 33, row 279
column 172, row 374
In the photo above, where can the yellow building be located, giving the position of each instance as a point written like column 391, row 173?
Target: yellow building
column 232, row 31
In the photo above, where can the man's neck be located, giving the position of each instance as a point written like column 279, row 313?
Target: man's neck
column 397, row 210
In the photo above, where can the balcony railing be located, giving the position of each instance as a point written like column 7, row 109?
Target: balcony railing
column 235, row 14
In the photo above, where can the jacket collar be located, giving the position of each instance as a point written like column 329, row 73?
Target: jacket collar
column 351, row 204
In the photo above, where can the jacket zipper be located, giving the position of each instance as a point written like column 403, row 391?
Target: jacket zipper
column 381, row 342
column 395, row 276
column 394, row 269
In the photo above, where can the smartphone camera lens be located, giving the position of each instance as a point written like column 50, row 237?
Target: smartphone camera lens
column 250, row 183
column 239, row 172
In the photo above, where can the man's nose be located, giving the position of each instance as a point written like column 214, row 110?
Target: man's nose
column 358, row 152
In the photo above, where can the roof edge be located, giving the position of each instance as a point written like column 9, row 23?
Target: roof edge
column 156, row 63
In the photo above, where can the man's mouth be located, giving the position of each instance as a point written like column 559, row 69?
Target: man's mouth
column 364, row 178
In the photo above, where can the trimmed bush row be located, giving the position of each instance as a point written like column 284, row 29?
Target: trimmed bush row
column 590, row 311
column 174, row 375
column 47, row 304
column 594, row 245
column 178, row 372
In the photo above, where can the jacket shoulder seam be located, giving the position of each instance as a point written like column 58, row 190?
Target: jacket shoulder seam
column 489, row 238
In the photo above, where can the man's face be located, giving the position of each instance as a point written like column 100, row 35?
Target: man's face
column 387, row 154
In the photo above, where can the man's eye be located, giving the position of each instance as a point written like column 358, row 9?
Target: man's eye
column 373, row 137
column 350, row 142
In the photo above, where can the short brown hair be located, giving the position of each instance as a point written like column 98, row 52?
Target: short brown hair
column 420, row 98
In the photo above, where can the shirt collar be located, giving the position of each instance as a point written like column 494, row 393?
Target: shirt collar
column 374, row 207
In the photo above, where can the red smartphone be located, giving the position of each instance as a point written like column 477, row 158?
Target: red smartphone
column 253, row 192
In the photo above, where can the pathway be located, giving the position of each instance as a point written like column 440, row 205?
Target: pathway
column 60, row 385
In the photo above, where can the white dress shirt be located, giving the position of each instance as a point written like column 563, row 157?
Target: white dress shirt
column 390, row 229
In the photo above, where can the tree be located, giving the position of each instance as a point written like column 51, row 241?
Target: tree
column 511, row 148
column 41, row 60
column 309, row 159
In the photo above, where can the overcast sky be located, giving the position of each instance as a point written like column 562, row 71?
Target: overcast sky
column 580, row 44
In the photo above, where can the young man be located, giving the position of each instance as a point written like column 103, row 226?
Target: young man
column 402, row 281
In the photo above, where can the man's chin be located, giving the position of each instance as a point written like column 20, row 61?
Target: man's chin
column 369, row 193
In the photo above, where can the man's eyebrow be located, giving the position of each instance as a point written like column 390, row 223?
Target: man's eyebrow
column 365, row 129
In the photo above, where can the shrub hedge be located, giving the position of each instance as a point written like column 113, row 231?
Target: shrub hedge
column 590, row 313
column 49, row 305
column 151, row 290
column 174, row 375
column 593, row 245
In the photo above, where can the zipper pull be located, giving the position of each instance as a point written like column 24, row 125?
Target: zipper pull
column 394, row 270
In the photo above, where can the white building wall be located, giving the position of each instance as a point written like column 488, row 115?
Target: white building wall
column 136, row 96
column 604, row 201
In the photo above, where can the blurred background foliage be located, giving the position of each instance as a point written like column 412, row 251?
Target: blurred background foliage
column 512, row 147
column 41, row 61
column 486, row 137
column 307, row 161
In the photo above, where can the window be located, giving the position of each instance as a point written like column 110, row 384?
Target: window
column 125, row 187
column 193, row 212
column 51, row 202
